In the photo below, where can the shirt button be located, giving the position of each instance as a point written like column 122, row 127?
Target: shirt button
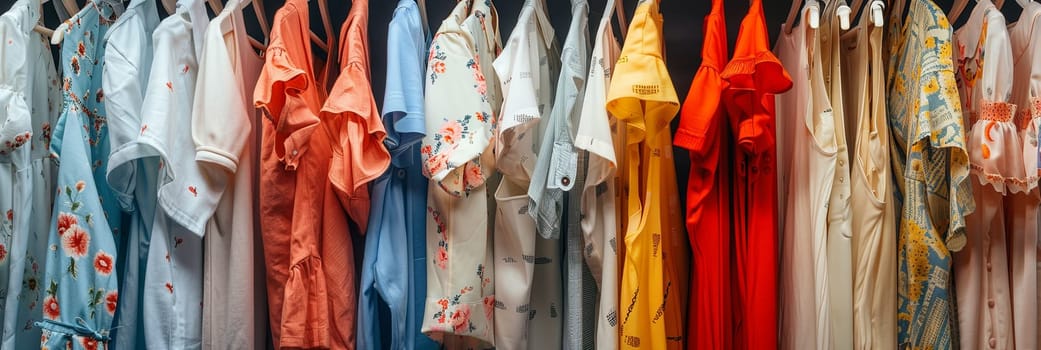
column 295, row 152
column 401, row 172
column 990, row 303
column 565, row 181
column 988, row 266
column 842, row 162
column 993, row 343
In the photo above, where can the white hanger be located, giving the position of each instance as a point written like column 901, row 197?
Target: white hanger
column 843, row 12
column 814, row 18
column 878, row 16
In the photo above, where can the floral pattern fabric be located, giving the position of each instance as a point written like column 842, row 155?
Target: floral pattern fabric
column 456, row 155
column 933, row 188
column 80, row 288
column 29, row 90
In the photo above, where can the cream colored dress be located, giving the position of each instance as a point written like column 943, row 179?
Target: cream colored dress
column 1022, row 227
column 873, row 209
column 807, row 127
column 983, row 55
column 840, row 254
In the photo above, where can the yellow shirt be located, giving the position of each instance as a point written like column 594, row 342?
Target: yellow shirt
column 656, row 263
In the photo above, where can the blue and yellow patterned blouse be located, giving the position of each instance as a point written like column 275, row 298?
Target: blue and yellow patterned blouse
column 931, row 169
column 80, row 279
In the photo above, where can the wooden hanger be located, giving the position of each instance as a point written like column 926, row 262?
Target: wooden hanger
column 39, row 28
column 814, row 17
column 330, row 35
column 170, row 6
column 71, row 6
column 956, row 11
column 258, row 10
column 422, row 4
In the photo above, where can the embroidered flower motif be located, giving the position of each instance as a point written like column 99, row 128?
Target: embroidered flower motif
column 169, row 86
column 489, row 307
column 451, row 132
column 178, row 241
column 81, row 49
column 111, row 300
column 426, row 149
column 99, row 96
column 439, row 67
column 185, row 69
column 75, row 63
column 10, row 215
column 103, row 263
column 65, row 221
column 480, row 116
column 143, row 128
column 193, row 191
column 75, row 241
column 169, row 287
column 442, row 257
column 3, row 253
column 461, row 319
column 473, row 174
column 89, row 343
column 51, row 309
column 80, row 185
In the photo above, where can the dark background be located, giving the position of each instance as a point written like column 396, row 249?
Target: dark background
column 682, row 19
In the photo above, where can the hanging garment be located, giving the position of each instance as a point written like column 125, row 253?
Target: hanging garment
column 558, row 169
column 839, row 305
column 874, row 216
column 984, row 75
column 704, row 132
column 599, row 221
column 810, row 142
column 654, row 275
column 29, row 91
column 1021, row 210
column 394, row 272
column 357, row 138
column 458, row 159
column 528, row 266
column 753, row 76
column 933, row 188
column 304, row 162
column 234, row 304
column 80, row 284
column 128, row 62
column 172, row 297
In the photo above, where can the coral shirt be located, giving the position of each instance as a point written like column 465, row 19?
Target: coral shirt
column 753, row 76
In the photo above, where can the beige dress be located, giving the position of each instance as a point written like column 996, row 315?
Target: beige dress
column 807, row 127
column 874, row 212
column 1022, row 209
column 840, row 255
column 983, row 55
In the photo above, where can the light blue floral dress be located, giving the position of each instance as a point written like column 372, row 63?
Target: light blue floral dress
column 80, row 287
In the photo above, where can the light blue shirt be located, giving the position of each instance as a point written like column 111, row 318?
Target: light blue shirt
column 393, row 273
column 80, row 287
column 128, row 60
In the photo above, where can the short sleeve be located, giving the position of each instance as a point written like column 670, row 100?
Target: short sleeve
column 280, row 93
column 940, row 115
column 124, row 96
column 219, row 119
column 403, row 115
column 459, row 119
column 699, row 122
column 359, row 155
